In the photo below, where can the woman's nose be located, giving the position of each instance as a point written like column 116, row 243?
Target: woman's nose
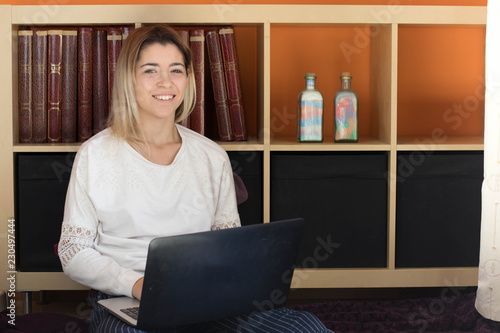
column 164, row 79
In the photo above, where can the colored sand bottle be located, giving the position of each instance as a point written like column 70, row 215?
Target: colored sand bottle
column 346, row 111
column 310, row 112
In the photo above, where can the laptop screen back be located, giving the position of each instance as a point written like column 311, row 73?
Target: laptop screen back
column 216, row 274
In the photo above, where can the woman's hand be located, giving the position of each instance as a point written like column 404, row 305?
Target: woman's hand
column 137, row 288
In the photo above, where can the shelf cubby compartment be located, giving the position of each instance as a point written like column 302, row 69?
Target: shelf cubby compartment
column 365, row 50
column 248, row 38
column 440, row 87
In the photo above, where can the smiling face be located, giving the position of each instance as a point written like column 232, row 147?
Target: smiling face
column 161, row 79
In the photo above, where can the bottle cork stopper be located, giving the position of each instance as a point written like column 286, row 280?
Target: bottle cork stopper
column 310, row 74
column 345, row 74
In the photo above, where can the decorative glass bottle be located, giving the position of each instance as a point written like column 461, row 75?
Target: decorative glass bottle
column 346, row 111
column 310, row 112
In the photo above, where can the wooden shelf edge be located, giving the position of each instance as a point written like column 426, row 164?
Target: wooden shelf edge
column 418, row 143
column 385, row 278
column 465, row 15
column 46, row 148
column 363, row 144
column 26, row 281
column 441, row 148
column 256, row 14
column 306, row 278
column 119, row 14
column 249, row 145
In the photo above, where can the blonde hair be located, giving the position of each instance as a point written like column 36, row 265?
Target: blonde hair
column 124, row 116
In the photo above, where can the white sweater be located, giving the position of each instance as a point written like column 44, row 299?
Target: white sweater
column 118, row 201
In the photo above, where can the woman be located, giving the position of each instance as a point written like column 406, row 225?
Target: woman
column 145, row 177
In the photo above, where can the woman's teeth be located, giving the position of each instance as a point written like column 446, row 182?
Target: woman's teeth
column 164, row 97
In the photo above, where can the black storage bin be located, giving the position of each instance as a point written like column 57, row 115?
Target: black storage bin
column 248, row 165
column 343, row 198
column 42, row 181
column 438, row 209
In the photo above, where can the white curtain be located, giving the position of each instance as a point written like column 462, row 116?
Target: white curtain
column 488, row 294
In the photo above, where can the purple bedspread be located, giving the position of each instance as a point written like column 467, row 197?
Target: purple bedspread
column 452, row 313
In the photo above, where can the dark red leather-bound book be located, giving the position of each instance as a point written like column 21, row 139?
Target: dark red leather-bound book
column 233, row 84
column 69, row 80
column 219, row 85
column 25, row 74
column 184, row 34
column 84, row 83
column 126, row 30
column 197, row 44
column 99, row 80
column 54, row 38
column 114, row 38
column 40, row 93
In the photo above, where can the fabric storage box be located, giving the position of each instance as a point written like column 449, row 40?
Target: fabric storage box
column 438, row 209
column 248, row 165
column 343, row 198
column 42, row 181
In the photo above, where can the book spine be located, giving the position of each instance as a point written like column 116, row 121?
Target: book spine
column 25, row 67
column 40, row 51
column 197, row 44
column 219, row 85
column 184, row 35
column 99, row 80
column 69, row 82
column 126, row 30
column 114, row 38
column 84, row 83
column 54, row 86
column 233, row 84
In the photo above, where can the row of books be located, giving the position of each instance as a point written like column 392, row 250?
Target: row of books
column 66, row 76
column 218, row 85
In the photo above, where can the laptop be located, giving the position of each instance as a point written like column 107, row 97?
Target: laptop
column 210, row 275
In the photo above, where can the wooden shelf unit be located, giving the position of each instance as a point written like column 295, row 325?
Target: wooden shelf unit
column 373, row 32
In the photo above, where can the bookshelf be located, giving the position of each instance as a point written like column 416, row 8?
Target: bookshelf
column 281, row 43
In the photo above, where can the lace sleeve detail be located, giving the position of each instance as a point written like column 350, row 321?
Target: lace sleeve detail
column 74, row 238
column 226, row 225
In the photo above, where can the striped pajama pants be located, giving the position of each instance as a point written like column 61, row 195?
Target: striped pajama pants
column 280, row 320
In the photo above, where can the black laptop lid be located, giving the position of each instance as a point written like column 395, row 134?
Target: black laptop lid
column 217, row 274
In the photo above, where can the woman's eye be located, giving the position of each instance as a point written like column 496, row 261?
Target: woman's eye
column 149, row 71
column 177, row 71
